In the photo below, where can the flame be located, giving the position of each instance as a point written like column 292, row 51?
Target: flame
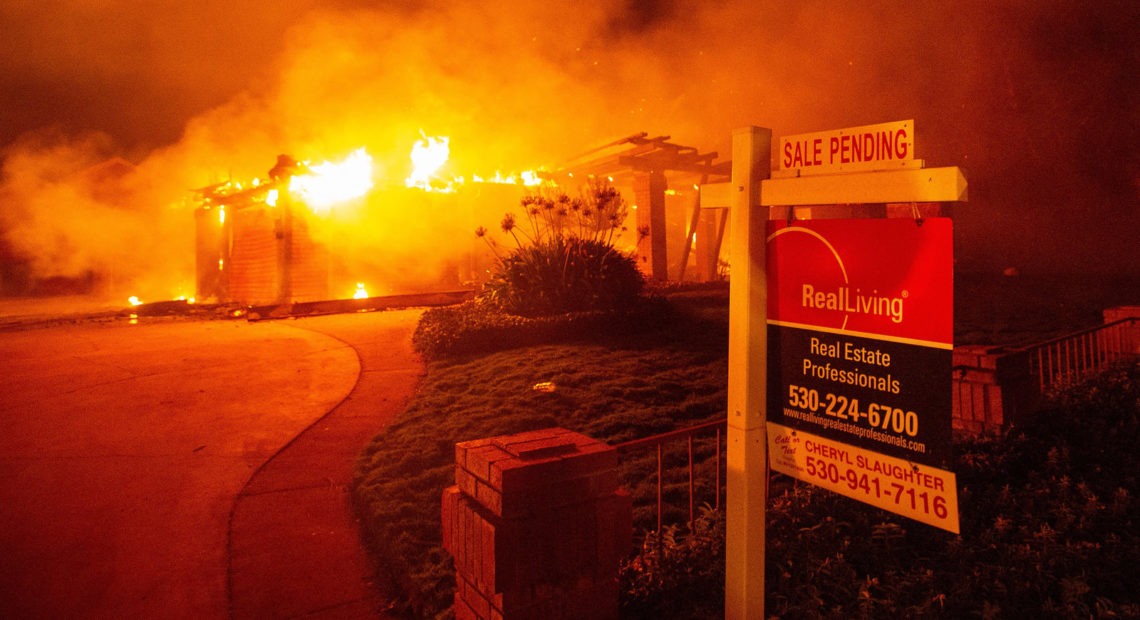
column 428, row 156
column 360, row 292
column 529, row 178
column 328, row 183
column 431, row 153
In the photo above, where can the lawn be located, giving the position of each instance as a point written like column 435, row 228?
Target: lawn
column 1048, row 513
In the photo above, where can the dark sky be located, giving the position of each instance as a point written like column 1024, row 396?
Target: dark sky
column 1037, row 99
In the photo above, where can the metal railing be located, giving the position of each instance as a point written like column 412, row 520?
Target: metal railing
column 1069, row 358
column 685, row 434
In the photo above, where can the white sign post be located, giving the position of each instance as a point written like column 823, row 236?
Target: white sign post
column 746, row 496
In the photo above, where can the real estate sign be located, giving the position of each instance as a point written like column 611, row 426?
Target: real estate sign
column 860, row 341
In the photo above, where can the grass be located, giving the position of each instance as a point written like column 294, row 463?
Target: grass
column 645, row 382
column 1049, row 525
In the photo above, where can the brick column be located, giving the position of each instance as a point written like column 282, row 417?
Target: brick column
column 537, row 526
column 993, row 389
column 1129, row 343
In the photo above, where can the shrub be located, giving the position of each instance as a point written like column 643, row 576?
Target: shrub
column 564, row 274
column 1047, row 519
column 1049, row 529
column 678, row 573
column 564, row 259
column 478, row 327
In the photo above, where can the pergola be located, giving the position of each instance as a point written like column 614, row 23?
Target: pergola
column 644, row 162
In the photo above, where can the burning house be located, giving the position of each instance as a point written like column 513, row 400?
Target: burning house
column 312, row 232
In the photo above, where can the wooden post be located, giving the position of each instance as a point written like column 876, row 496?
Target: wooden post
column 747, row 378
column 284, row 292
column 690, row 232
column 649, row 191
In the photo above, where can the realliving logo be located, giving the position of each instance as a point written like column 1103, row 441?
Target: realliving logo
column 843, row 299
column 875, row 277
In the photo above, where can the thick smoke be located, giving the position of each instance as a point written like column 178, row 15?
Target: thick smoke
column 1036, row 100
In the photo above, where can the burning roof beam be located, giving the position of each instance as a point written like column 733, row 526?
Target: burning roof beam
column 646, row 155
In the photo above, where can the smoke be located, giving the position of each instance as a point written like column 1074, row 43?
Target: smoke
column 75, row 214
column 1036, row 100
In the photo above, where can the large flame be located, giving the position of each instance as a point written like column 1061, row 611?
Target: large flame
column 329, row 183
column 428, row 156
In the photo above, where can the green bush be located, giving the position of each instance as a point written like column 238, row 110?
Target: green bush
column 678, row 573
column 477, row 327
column 565, row 274
column 564, row 260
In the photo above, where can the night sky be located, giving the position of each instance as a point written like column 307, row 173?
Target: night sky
column 1038, row 101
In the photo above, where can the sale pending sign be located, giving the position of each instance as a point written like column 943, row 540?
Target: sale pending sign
column 860, row 341
column 871, row 147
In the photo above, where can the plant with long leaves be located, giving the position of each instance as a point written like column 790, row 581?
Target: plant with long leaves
column 564, row 259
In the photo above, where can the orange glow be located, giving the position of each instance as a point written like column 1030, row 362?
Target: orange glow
column 330, row 183
column 134, row 300
column 360, row 293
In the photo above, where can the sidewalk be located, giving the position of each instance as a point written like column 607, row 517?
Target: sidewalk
column 293, row 547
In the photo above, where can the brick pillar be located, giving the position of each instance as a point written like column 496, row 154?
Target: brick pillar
column 993, row 389
column 537, row 526
column 1129, row 341
column 649, row 193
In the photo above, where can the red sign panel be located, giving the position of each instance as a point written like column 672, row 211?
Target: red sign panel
column 860, row 339
column 879, row 277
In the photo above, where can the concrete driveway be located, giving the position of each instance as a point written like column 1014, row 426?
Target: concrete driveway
column 123, row 447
